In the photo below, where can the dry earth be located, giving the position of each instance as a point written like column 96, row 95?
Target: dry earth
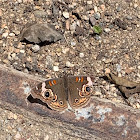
column 81, row 52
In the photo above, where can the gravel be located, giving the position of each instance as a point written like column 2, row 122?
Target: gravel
column 86, row 53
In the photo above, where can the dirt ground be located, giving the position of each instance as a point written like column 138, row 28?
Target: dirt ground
column 81, row 52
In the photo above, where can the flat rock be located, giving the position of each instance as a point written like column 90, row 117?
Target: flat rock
column 40, row 33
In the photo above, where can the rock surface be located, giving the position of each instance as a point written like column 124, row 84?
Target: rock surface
column 116, row 48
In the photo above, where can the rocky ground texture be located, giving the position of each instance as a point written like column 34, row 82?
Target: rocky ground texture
column 81, row 52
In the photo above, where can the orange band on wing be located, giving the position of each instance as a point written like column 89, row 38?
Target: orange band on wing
column 54, row 82
column 50, row 83
column 82, row 79
column 77, row 79
column 56, row 105
column 81, row 102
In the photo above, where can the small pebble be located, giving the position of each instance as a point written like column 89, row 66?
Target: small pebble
column 118, row 9
column 118, row 68
column 35, row 48
column 9, row 56
column 107, row 60
column 26, row 70
column 39, row 13
column 107, row 87
column 102, row 7
column 89, row 2
column 58, row 50
column 129, row 70
column 66, row 14
column 97, row 15
column 22, row 51
column 73, row 43
column 85, row 17
column 46, row 137
column 68, row 64
column 107, row 30
column 129, row 17
column 11, row 34
column 13, row 55
column 107, row 70
column 92, row 20
column 17, row 136
column 4, row 35
column 95, row 9
column 19, row 1
column 11, row 115
column 49, row 60
column 67, row 24
column 113, row 89
column 6, row 61
column 55, row 68
column 135, row 5
column 138, row 105
column 81, row 55
column 65, row 50
column 97, row 37
column 15, row 116
column 73, row 26
column 16, row 32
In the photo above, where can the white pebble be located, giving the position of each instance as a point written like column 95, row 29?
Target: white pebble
column 73, row 43
column 66, row 15
column 35, row 48
column 4, row 35
column 73, row 26
column 19, row 1
column 55, row 68
column 107, row 87
column 13, row 55
column 107, row 30
column 22, row 51
column 11, row 34
column 81, row 55
column 89, row 2
column 65, row 50
column 95, row 9
column 85, row 17
column 68, row 64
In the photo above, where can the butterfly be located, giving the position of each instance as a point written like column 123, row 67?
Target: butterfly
column 57, row 93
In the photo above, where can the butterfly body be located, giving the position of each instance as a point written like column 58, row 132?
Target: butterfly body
column 57, row 93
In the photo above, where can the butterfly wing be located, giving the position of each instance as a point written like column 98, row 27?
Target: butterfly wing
column 79, row 90
column 52, row 92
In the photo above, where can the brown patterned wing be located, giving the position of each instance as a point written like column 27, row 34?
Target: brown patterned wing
column 79, row 90
column 52, row 92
